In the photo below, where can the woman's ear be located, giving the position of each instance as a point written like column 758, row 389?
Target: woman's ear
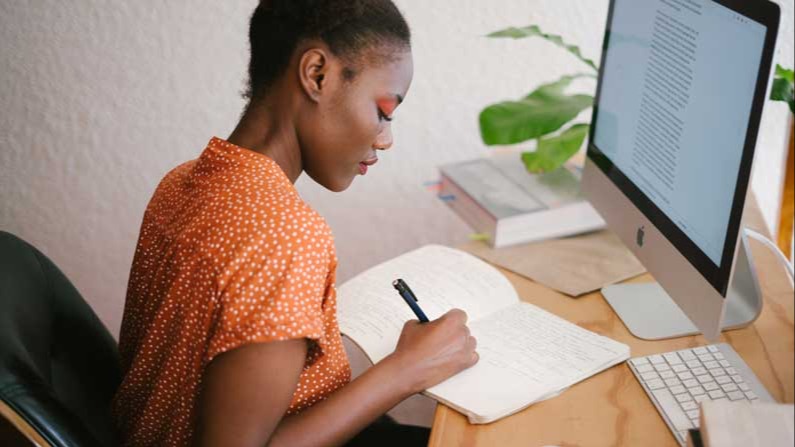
column 313, row 70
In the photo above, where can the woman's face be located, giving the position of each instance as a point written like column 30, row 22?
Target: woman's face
column 353, row 121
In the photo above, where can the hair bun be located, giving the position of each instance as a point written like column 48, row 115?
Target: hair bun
column 346, row 26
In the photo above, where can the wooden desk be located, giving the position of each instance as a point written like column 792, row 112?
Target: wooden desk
column 611, row 408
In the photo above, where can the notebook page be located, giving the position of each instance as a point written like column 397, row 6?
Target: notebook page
column 526, row 354
column 372, row 314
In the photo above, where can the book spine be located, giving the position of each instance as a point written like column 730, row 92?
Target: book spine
column 565, row 221
column 467, row 208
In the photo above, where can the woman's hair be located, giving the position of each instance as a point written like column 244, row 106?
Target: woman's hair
column 348, row 27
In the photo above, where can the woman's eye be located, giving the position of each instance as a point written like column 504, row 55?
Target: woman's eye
column 383, row 117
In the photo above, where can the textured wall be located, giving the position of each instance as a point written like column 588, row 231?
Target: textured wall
column 100, row 99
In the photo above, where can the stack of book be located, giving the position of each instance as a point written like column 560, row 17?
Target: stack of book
column 497, row 197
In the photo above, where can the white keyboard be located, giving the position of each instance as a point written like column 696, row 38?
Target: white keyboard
column 678, row 381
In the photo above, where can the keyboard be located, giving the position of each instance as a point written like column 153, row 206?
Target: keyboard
column 678, row 381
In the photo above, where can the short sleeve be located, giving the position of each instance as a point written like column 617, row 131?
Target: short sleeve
column 271, row 297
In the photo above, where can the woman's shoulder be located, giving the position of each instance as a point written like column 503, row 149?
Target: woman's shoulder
column 257, row 220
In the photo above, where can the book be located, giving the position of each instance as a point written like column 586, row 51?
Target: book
column 499, row 198
column 526, row 354
column 746, row 424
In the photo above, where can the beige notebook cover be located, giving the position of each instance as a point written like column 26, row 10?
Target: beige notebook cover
column 526, row 354
column 574, row 265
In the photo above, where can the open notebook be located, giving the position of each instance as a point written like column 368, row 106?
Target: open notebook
column 526, row 354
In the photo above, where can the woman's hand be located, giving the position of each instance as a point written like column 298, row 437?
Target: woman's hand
column 429, row 353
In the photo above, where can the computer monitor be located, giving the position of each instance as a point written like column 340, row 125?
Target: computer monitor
column 681, row 88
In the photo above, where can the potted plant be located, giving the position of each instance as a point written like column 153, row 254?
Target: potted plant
column 542, row 113
column 782, row 87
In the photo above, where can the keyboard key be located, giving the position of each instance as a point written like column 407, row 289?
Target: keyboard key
column 729, row 387
column 713, row 348
column 702, row 398
column 696, row 391
column 672, row 358
column 705, row 378
column 667, row 374
column 670, row 407
column 655, row 359
column 687, row 355
column 711, row 365
column 655, row 384
column 679, row 389
column 689, row 406
column 706, row 357
column 725, row 363
column 672, row 382
column 649, row 376
column 699, row 371
column 700, row 350
column 717, row 372
column 693, row 364
column 711, row 386
column 719, row 356
column 717, row 394
column 736, row 395
column 690, row 383
column 723, row 380
column 737, row 379
column 692, row 414
column 731, row 371
column 685, row 375
column 644, row 368
column 751, row 395
column 640, row 361
column 660, row 367
column 744, row 386
column 684, row 397
column 679, row 368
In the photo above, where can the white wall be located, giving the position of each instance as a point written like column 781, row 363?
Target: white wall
column 99, row 99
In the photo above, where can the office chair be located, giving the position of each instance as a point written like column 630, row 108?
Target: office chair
column 59, row 366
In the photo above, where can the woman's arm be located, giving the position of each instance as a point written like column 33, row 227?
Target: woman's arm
column 246, row 391
column 245, row 395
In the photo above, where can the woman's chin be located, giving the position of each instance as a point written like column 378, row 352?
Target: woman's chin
column 338, row 185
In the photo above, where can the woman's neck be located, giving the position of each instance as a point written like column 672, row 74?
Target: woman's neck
column 267, row 127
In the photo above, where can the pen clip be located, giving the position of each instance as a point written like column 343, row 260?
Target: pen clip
column 410, row 292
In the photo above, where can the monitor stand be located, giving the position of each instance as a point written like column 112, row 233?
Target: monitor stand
column 649, row 313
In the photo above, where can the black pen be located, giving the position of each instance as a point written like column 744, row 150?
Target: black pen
column 409, row 298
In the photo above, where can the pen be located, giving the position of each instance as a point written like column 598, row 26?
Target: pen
column 409, row 298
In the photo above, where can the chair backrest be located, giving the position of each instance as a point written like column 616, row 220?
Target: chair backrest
column 59, row 366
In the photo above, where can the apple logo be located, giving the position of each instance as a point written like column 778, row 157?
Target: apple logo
column 640, row 235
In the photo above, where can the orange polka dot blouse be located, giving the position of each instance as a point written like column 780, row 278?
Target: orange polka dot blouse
column 229, row 254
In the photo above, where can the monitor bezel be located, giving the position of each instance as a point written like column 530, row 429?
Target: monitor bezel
column 767, row 14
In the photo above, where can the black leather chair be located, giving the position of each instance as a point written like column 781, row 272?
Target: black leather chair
column 59, row 366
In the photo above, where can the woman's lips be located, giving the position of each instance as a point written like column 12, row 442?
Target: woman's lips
column 364, row 164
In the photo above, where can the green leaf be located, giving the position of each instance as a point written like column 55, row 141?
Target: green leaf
column 535, row 31
column 782, row 72
column 783, row 87
column 555, row 88
column 552, row 152
column 543, row 111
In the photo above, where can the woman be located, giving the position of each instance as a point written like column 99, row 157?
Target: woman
column 229, row 335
